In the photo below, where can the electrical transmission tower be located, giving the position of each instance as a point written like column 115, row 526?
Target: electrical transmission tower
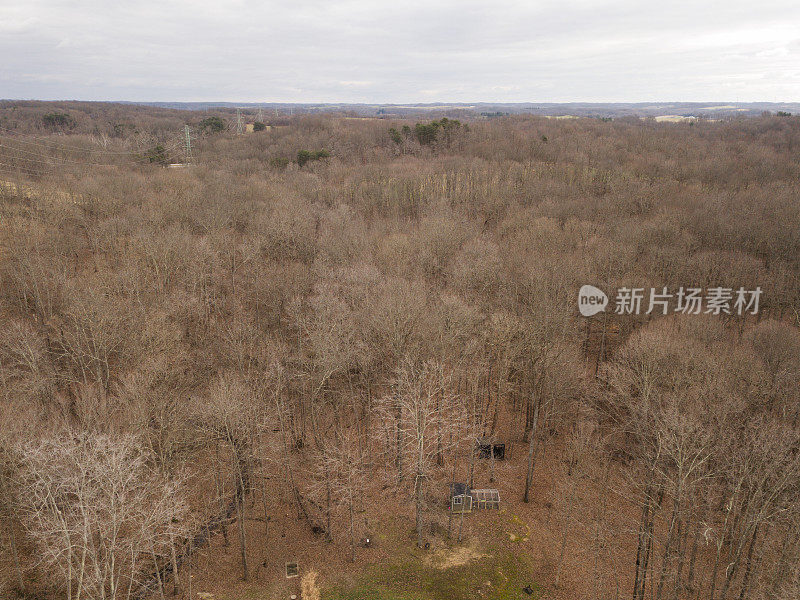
column 187, row 143
column 260, row 116
column 239, row 122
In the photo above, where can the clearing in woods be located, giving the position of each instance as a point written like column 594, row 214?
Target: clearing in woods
column 463, row 575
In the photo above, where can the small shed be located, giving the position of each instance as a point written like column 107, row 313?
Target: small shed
column 465, row 500
column 490, row 449
column 460, row 498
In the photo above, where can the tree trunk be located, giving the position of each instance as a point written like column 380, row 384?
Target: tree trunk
column 683, row 537
column 715, row 568
column 719, row 544
column 175, row 580
column 158, row 572
column 668, row 544
column 733, row 568
column 264, row 503
column 218, row 484
column 399, row 441
column 639, row 576
column 782, row 564
column 648, row 550
column 69, row 569
column 418, row 507
column 750, row 567
column 531, row 454
column 471, row 466
column 565, row 530
column 439, row 451
column 328, row 508
column 526, row 426
column 242, row 538
column 189, row 575
column 693, row 553
column 15, row 557
column 452, row 483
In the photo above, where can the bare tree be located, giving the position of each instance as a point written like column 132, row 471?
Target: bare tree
column 426, row 406
column 96, row 509
column 574, row 470
column 396, row 323
column 345, row 478
column 548, row 363
column 11, row 429
column 768, row 468
column 654, row 392
column 231, row 416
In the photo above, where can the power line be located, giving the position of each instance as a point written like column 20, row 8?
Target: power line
column 50, row 160
column 53, row 145
column 36, row 157
column 37, row 163
column 15, row 168
column 63, row 160
column 58, row 145
column 40, row 155
column 22, row 150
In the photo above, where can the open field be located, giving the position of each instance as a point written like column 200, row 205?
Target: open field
column 302, row 338
column 674, row 118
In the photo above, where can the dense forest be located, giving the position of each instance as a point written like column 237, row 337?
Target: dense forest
column 291, row 347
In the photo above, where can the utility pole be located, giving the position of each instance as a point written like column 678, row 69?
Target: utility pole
column 239, row 122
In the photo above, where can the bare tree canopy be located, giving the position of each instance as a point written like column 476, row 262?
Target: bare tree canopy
column 302, row 343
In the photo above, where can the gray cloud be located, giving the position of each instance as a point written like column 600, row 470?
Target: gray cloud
column 360, row 51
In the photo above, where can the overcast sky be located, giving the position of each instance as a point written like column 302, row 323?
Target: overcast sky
column 401, row 51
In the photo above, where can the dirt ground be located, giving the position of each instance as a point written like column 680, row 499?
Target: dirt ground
column 533, row 531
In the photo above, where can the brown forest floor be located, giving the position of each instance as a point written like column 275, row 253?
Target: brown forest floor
column 532, row 532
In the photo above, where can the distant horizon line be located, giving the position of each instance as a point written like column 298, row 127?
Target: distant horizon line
column 411, row 103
